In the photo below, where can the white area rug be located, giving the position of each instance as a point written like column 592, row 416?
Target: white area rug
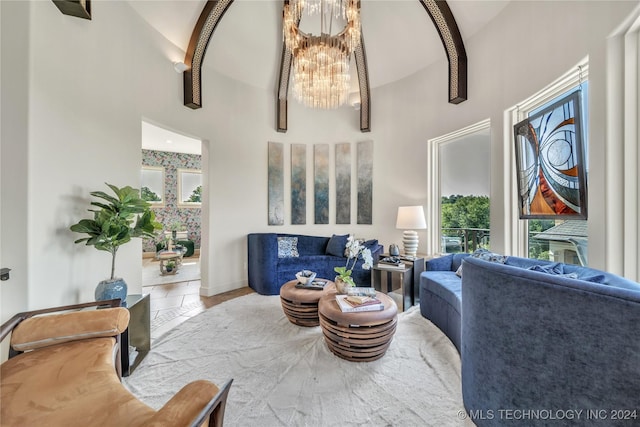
column 284, row 375
column 188, row 271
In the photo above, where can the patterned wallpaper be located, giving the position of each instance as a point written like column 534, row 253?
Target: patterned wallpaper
column 170, row 213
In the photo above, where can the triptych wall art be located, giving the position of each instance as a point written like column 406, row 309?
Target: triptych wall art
column 321, row 183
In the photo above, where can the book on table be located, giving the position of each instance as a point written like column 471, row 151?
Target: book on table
column 355, row 303
column 388, row 266
column 362, row 291
column 391, row 261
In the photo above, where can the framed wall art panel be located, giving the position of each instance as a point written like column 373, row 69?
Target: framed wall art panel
column 276, row 184
column 321, row 183
column 298, row 184
column 365, row 182
column 343, row 183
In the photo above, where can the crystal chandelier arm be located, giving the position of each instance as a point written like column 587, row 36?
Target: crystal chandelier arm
column 447, row 27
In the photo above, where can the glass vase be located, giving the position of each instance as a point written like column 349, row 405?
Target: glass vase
column 341, row 286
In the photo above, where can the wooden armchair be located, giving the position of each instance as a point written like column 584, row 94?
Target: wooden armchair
column 63, row 370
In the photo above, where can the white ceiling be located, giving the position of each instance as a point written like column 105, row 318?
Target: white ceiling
column 160, row 139
column 400, row 40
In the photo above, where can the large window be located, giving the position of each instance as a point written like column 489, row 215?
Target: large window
column 559, row 240
column 459, row 182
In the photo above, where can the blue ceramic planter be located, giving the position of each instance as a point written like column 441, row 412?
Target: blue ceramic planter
column 111, row 289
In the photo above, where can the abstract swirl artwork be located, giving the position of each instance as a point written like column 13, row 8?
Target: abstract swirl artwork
column 550, row 162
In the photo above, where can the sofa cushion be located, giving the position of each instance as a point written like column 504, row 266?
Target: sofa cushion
column 556, row 269
column 442, row 263
column 456, row 261
column 312, row 245
column 287, row 247
column 445, row 284
column 337, row 245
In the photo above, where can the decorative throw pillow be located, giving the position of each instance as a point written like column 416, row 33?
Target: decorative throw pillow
column 459, row 271
column 287, row 247
column 370, row 244
column 337, row 245
column 556, row 269
column 489, row 256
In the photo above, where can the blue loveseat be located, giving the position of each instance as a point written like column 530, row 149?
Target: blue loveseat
column 269, row 268
column 562, row 339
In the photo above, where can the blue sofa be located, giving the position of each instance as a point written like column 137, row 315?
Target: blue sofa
column 441, row 295
column 267, row 271
column 535, row 341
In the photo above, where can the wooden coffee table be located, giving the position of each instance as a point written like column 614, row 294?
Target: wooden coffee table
column 358, row 337
column 301, row 305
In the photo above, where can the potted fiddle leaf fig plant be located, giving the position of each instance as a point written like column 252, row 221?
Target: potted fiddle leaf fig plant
column 115, row 222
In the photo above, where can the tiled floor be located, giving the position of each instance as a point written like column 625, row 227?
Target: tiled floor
column 173, row 303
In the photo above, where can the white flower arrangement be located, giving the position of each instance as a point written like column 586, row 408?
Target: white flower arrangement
column 353, row 251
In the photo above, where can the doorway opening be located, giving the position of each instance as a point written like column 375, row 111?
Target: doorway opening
column 171, row 181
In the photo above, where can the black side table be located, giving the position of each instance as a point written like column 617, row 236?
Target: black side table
column 405, row 279
column 136, row 340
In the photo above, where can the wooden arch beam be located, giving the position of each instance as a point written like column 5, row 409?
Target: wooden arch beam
column 449, row 32
column 214, row 10
column 209, row 18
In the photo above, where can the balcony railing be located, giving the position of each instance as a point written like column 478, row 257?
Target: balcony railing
column 456, row 240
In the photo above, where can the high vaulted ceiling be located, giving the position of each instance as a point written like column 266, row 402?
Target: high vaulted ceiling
column 400, row 38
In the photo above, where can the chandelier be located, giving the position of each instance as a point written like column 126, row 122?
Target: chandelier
column 321, row 76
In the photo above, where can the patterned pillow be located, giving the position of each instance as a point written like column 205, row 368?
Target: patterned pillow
column 287, row 247
column 489, row 256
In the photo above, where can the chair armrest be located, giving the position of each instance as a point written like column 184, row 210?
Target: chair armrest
column 37, row 332
column 195, row 403
column 10, row 324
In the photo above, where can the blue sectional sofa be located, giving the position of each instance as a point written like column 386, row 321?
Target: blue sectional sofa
column 562, row 339
column 269, row 268
column 441, row 295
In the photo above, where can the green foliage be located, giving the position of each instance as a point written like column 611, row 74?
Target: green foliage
column 196, row 195
column 539, row 249
column 465, row 212
column 148, row 195
column 117, row 221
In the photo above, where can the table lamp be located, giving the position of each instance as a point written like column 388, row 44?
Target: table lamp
column 410, row 218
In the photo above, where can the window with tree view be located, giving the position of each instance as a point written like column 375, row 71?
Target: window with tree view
column 465, row 178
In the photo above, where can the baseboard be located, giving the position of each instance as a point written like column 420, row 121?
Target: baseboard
column 208, row 292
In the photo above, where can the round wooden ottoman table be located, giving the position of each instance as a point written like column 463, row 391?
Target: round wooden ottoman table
column 359, row 337
column 301, row 305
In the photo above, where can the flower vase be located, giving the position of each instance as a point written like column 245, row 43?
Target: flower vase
column 341, row 286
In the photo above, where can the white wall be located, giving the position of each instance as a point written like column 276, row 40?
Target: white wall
column 90, row 83
column 14, row 37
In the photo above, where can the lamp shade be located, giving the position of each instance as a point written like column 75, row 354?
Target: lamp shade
column 411, row 218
